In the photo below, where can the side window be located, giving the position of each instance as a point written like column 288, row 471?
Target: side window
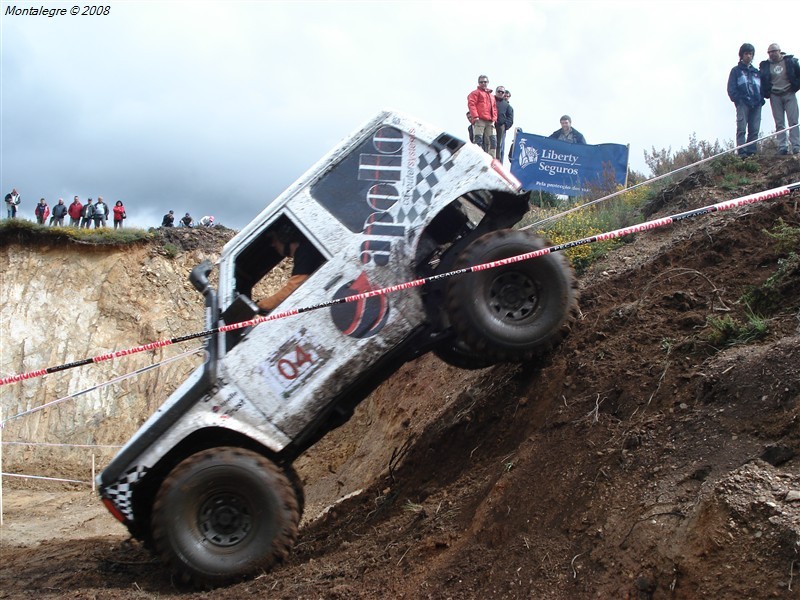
column 278, row 254
column 367, row 183
column 268, row 271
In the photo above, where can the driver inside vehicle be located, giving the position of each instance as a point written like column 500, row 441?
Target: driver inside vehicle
column 288, row 242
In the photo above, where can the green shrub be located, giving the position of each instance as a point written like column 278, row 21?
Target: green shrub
column 722, row 164
column 665, row 161
column 732, row 181
column 616, row 213
column 728, row 331
column 787, row 238
column 770, row 296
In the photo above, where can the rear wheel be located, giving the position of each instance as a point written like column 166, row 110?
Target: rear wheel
column 224, row 514
column 516, row 311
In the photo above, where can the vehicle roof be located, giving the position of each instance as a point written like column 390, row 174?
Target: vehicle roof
column 421, row 130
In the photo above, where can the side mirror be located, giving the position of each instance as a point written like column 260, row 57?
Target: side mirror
column 199, row 277
column 241, row 309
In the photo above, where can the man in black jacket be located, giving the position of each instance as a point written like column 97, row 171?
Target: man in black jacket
column 87, row 214
column 504, row 119
column 568, row 133
column 780, row 80
column 509, row 123
column 59, row 212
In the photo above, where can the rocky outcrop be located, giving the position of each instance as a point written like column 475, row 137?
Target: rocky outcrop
column 66, row 302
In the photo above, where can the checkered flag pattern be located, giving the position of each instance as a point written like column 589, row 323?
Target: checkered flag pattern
column 428, row 174
column 120, row 493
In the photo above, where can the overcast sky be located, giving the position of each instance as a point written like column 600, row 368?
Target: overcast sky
column 216, row 107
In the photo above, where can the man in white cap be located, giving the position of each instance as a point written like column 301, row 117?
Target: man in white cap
column 780, row 80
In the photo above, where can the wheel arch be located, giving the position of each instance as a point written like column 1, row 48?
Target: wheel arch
column 448, row 234
column 144, row 493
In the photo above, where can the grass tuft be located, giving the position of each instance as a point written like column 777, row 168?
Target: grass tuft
column 21, row 230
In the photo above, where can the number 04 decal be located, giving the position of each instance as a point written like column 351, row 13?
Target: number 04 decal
column 297, row 359
column 292, row 364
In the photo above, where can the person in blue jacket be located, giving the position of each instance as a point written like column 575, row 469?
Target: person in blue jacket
column 744, row 90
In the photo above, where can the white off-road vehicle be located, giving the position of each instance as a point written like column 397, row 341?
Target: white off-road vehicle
column 207, row 481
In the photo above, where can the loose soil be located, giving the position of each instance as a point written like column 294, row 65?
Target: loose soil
column 647, row 457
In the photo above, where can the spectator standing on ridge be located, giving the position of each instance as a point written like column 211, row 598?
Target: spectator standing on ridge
column 780, row 80
column 74, row 211
column 207, row 221
column 12, row 202
column 168, row 220
column 100, row 213
column 119, row 214
column 59, row 212
column 568, row 133
column 483, row 114
column 187, row 220
column 471, row 134
column 509, row 124
column 504, row 119
column 41, row 211
column 87, row 214
column 744, row 90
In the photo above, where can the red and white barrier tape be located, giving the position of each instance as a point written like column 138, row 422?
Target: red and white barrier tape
column 102, row 385
column 646, row 226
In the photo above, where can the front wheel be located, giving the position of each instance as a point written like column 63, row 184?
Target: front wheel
column 224, row 514
column 516, row 311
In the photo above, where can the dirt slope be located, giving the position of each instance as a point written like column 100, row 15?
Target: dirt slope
column 646, row 458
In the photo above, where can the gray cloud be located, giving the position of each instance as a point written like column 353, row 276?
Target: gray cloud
column 216, row 108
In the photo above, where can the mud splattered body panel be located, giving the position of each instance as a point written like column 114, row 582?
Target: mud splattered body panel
column 365, row 208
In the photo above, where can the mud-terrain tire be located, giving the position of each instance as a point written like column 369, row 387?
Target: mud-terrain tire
column 512, row 312
column 224, row 514
column 297, row 486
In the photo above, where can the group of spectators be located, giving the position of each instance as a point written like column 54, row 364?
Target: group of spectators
column 489, row 116
column 80, row 215
column 92, row 213
column 777, row 78
column 492, row 116
column 186, row 220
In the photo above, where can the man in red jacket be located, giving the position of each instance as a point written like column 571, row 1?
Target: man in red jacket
column 483, row 114
column 74, row 211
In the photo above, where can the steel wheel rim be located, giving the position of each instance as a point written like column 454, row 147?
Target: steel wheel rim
column 513, row 296
column 225, row 519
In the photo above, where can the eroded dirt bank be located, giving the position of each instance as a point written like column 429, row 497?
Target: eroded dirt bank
column 646, row 458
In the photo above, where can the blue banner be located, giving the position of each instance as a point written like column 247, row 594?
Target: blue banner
column 542, row 163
